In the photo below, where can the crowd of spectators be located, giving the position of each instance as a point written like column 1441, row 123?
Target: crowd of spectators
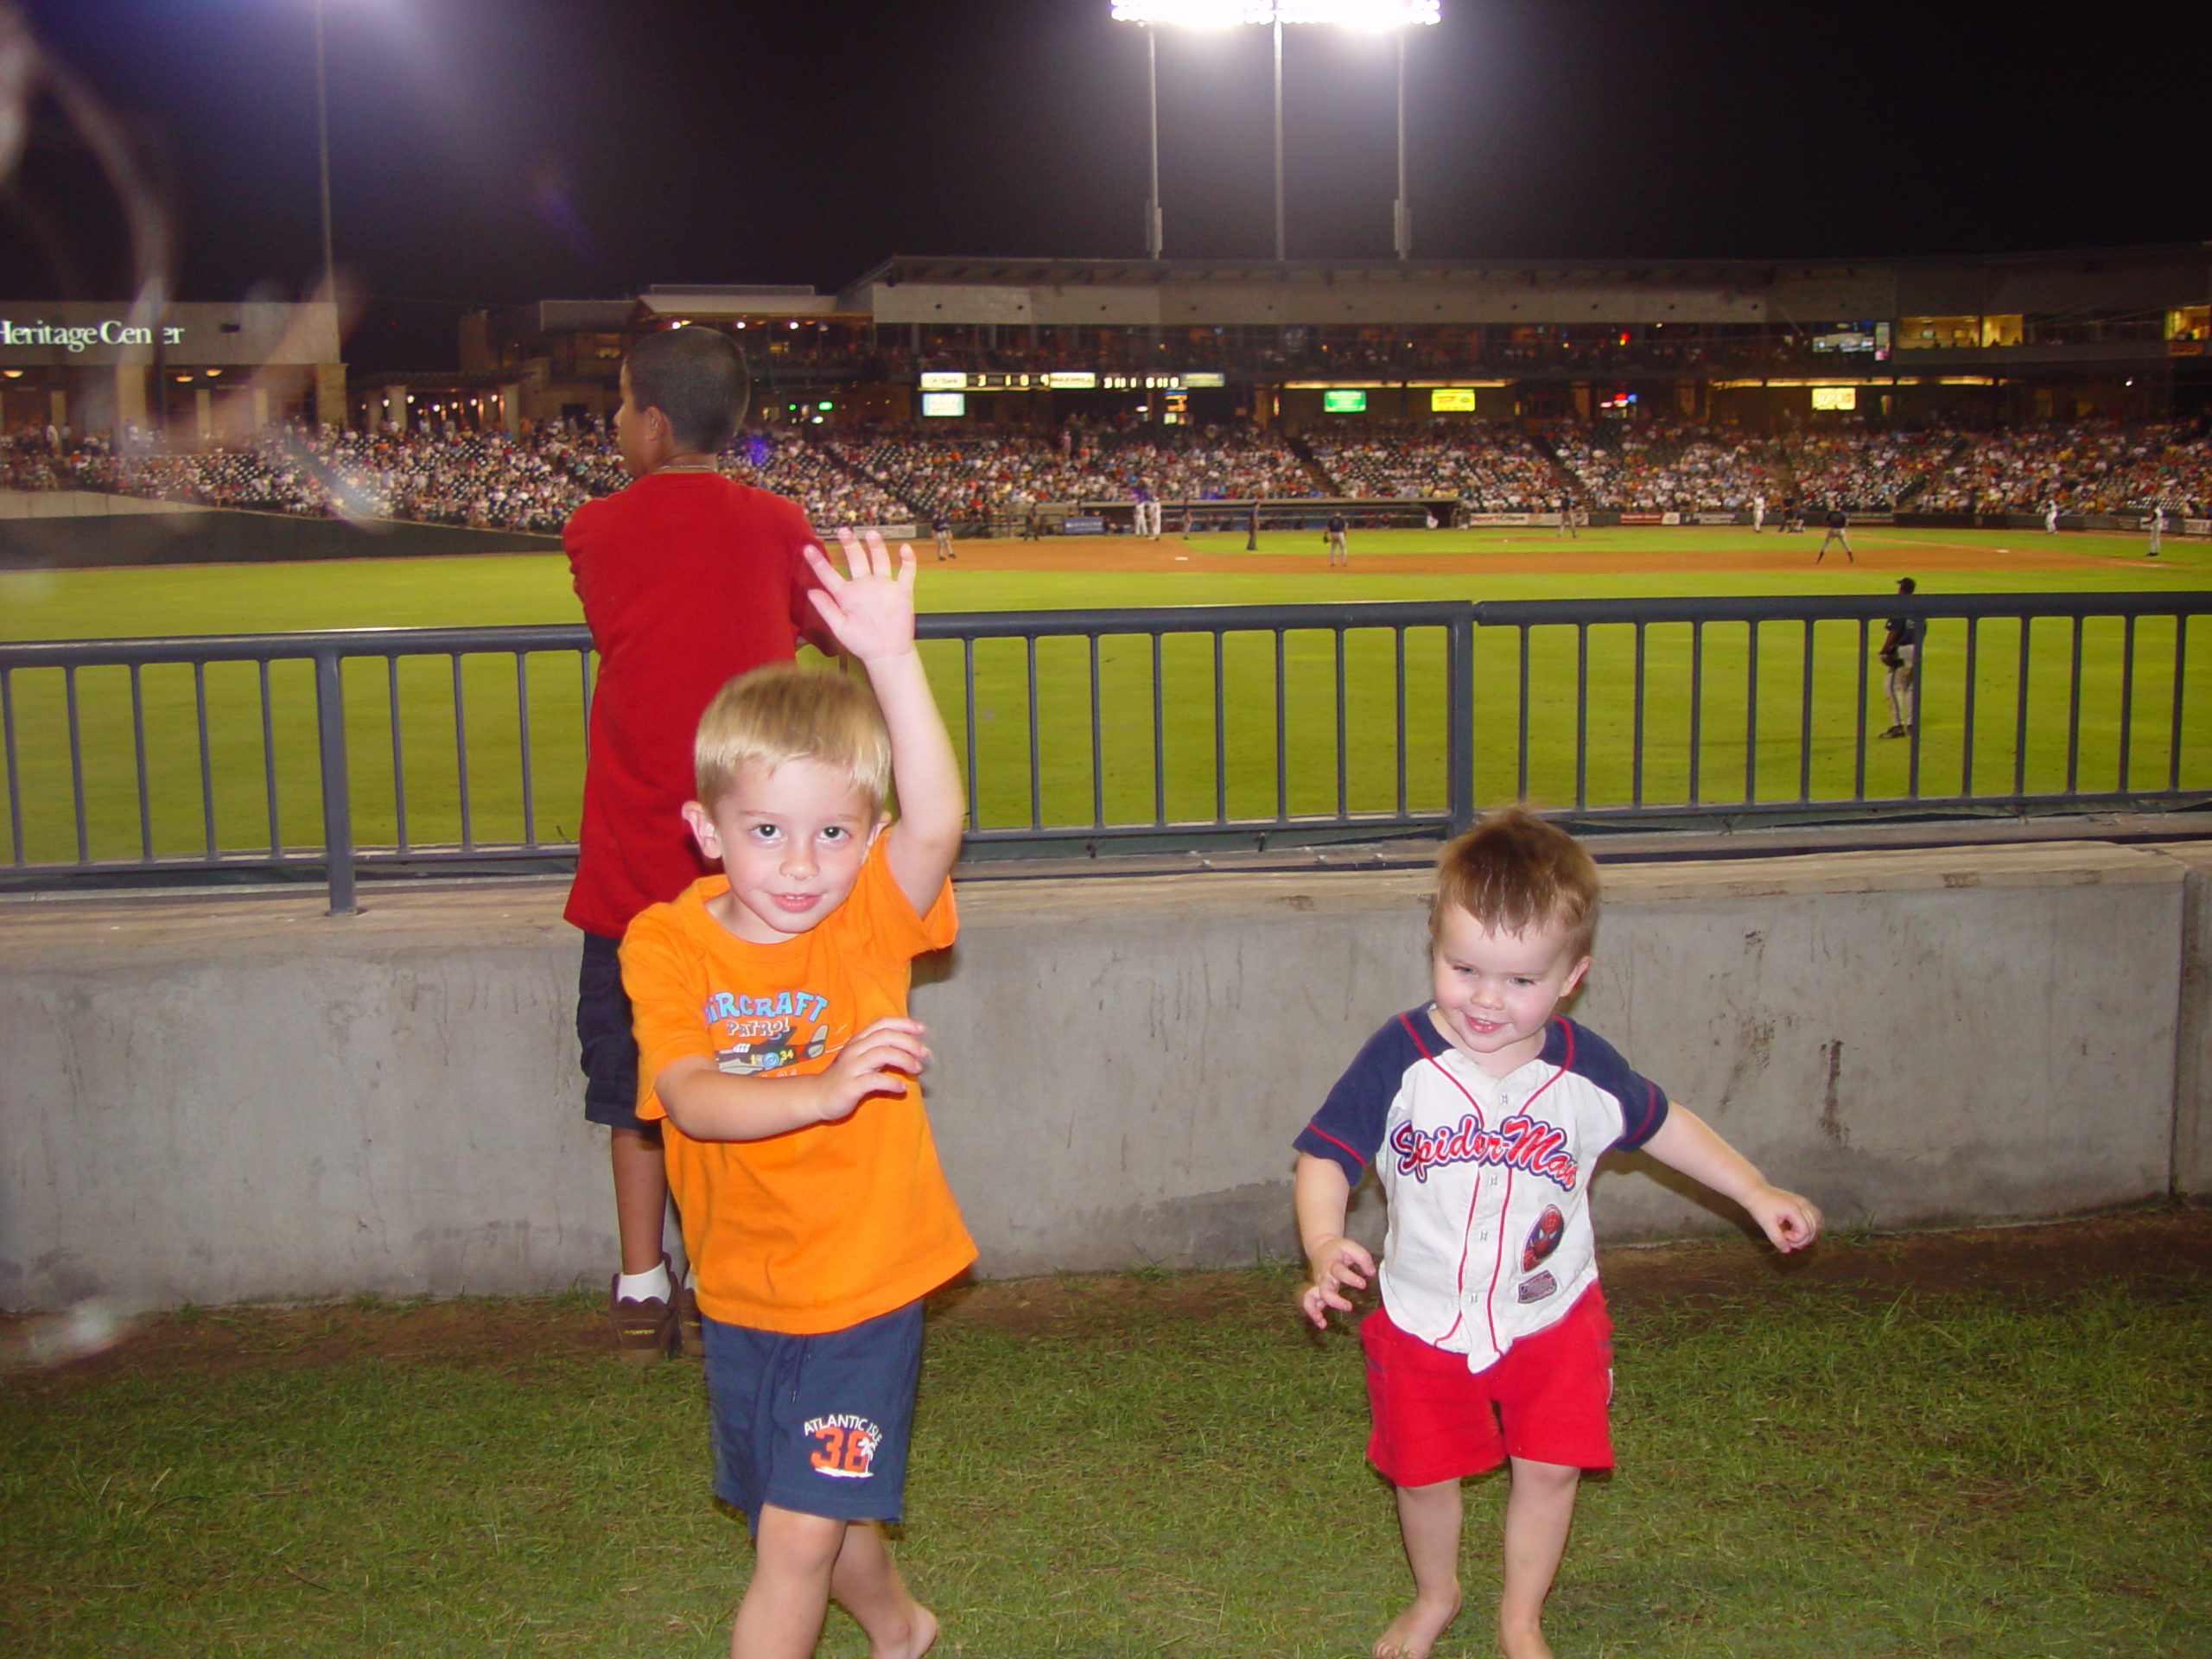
column 829, row 490
column 1488, row 465
column 2083, row 465
column 1663, row 466
column 971, row 475
column 962, row 475
column 530, row 482
column 534, row 480
column 1876, row 471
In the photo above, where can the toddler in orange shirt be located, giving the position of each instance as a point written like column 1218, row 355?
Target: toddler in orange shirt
column 774, row 1038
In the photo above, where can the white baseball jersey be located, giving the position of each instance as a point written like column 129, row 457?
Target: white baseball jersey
column 1488, row 1179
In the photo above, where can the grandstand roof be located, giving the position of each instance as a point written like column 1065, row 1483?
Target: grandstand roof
column 714, row 300
column 945, row 288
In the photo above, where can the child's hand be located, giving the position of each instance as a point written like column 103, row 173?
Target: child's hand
column 1333, row 1262
column 878, row 1060
column 872, row 611
column 1790, row 1223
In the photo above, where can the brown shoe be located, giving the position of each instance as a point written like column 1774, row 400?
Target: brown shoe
column 691, row 1336
column 645, row 1330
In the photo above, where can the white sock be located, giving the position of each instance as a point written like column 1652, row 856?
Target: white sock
column 651, row 1285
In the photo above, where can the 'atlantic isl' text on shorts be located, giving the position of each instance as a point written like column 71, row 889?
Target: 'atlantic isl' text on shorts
column 844, row 1445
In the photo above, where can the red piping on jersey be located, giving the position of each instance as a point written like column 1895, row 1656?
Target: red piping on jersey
column 1474, row 1196
column 1497, row 1267
column 1333, row 1142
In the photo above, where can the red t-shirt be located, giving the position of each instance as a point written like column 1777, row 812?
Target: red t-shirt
column 687, row 579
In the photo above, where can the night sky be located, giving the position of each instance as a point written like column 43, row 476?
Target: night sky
column 489, row 151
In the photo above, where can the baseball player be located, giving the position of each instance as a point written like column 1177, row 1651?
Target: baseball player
column 1900, row 657
column 1837, row 521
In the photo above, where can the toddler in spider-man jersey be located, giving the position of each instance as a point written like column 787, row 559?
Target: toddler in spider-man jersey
column 1484, row 1114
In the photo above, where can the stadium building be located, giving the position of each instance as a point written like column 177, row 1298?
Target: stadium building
column 200, row 372
column 2117, row 333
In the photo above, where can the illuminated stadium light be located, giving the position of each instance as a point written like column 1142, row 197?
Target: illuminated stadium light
column 1194, row 14
column 1229, row 14
column 1374, row 15
column 1363, row 14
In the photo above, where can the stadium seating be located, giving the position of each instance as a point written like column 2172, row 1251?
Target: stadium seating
column 898, row 474
column 1488, row 465
column 966, row 475
column 2086, row 466
column 1875, row 470
column 1663, row 467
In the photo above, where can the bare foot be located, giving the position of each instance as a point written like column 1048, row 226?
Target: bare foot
column 1523, row 1643
column 1414, row 1632
column 921, row 1636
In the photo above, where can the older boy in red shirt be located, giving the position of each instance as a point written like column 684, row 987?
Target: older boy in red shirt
column 687, row 579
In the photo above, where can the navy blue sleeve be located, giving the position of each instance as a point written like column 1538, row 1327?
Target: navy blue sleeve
column 1643, row 1102
column 1348, row 1129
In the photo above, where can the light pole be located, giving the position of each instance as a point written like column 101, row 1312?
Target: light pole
column 1396, row 15
column 1153, row 234
column 1277, row 21
column 322, row 148
column 1401, row 213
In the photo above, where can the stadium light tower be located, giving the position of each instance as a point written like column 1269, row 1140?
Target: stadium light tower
column 322, row 145
column 1373, row 15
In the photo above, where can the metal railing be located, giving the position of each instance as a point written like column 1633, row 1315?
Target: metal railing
column 376, row 751
column 2073, row 734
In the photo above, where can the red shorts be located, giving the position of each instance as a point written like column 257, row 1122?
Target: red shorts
column 1435, row 1420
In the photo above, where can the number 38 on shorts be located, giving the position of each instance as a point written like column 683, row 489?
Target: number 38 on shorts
column 844, row 1445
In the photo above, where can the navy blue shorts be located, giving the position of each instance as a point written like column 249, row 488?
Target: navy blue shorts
column 818, row 1425
column 609, row 1045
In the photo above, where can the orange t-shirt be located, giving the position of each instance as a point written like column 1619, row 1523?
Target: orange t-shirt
column 818, row 1229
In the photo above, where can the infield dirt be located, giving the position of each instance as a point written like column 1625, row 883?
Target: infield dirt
column 1535, row 554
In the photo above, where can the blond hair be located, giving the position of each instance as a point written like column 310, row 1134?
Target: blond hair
column 1514, row 872
column 784, row 712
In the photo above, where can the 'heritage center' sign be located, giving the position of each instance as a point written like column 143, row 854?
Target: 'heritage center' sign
column 78, row 337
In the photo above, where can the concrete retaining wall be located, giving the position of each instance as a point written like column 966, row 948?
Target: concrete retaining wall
column 215, row 1101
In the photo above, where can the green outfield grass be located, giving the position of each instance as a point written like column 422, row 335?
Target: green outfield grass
column 1820, row 754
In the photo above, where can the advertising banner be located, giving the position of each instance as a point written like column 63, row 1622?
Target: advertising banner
column 1083, row 524
column 1644, row 518
column 1511, row 519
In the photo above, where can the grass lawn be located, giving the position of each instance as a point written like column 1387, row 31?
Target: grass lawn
column 1953, row 1445
column 245, row 765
